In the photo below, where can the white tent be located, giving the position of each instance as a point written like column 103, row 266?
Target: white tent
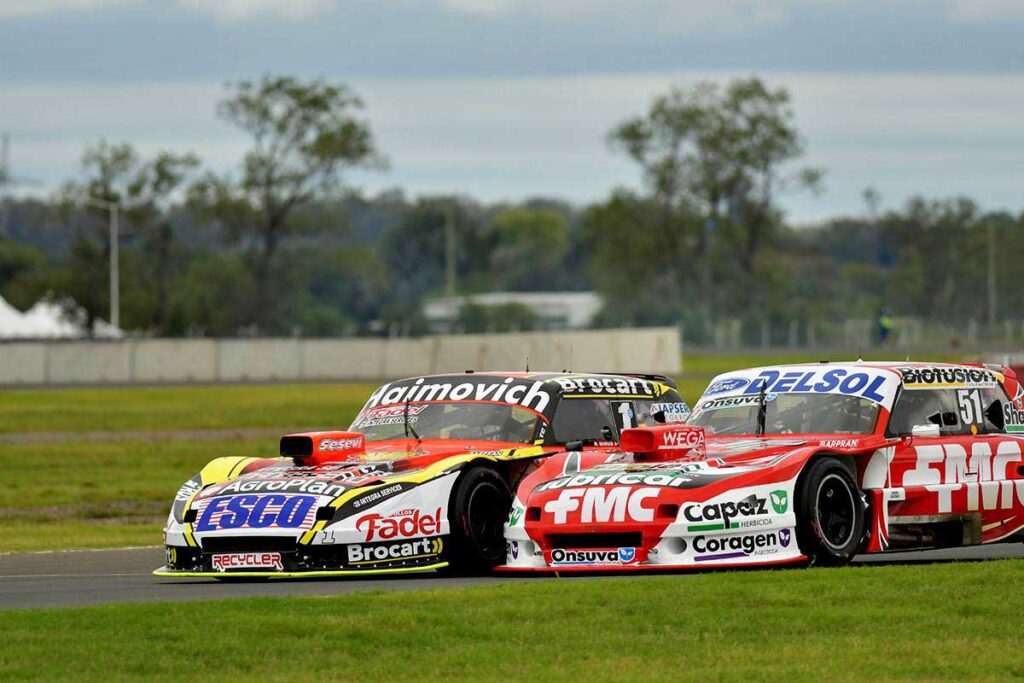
column 12, row 321
column 49, row 320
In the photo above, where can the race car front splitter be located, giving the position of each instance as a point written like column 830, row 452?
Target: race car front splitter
column 259, row 558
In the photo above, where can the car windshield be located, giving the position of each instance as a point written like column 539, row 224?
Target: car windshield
column 449, row 420
column 788, row 413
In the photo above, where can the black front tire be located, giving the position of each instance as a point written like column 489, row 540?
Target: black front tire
column 830, row 513
column 477, row 513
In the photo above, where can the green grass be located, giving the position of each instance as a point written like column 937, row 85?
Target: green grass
column 206, row 407
column 940, row 622
column 34, row 534
column 691, row 388
column 99, row 494
column 105, row 476
column 161, row 408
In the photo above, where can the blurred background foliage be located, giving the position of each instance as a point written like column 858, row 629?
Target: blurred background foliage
column 283, row 246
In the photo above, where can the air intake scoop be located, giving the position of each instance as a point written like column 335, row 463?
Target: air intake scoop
column 664, row 442
column 314, row 448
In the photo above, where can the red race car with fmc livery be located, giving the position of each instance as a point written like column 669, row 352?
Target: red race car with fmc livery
column 789, row 464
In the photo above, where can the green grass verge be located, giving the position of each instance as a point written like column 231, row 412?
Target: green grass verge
column 106, row 478
column 162, row 408
column 99, row 494
column 30, row 535
column 206, row 407
column 938, row 622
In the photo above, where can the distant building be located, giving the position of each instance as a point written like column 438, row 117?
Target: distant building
column 556, row 310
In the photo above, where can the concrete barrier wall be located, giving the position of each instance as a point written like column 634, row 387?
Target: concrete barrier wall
column 154, row 361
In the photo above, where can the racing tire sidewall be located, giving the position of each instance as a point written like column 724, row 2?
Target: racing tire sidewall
column 477, row 512
column 826, row 486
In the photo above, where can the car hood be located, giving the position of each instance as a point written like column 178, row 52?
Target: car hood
column 633, row 492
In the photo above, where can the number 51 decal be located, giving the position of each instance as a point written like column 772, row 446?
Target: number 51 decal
column 971, row 412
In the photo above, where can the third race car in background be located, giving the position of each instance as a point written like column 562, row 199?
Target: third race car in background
column 790, row 464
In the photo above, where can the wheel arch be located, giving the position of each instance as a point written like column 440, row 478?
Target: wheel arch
column 853, row 464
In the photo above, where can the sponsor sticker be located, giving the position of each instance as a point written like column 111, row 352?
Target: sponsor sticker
column 682, row 437
column 377, row 496
column 863, row 384
column 272, row 511
column 1014, row 418
column 340, row 444
column 617, row 504
column 949, row 471
column 403, row 524
column 606, row 386
column 673, row 412
column 529, row 394
column 327, row 480
column 228, row 561
column 390, row 553
column 751, row 511
column 840, row 443
column 187, row 490
column 711, row 548
column 390, row 415
column 940, row 377
column 725, row 385
column 516, row 515
column 646, row 477
column 564, row 556
column 734, row 402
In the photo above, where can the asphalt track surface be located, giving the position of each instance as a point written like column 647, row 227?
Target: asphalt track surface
column 77, row 578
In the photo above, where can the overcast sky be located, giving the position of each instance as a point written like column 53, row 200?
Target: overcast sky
column 504, row 99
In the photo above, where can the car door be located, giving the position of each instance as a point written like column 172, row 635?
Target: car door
column 966, row 463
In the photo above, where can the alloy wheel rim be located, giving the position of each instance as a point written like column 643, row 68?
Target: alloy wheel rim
column 835, row 511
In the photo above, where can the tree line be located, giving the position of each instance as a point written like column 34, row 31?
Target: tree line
column 281, row 245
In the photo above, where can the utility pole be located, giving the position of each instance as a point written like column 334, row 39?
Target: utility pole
column 991, row 228
column 449, row 249
column 115, row 270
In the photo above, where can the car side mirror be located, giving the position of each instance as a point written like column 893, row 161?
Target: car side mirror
column 929, row 430
column 607, row 434
column 658, row 416
column 994, row 414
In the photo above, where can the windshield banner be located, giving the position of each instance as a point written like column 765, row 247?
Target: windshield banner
column 878, row 385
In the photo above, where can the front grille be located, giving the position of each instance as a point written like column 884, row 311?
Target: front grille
column 247, row 544
column 597, row 540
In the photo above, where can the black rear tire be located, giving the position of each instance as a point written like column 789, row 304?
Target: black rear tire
column 477, row 513
column 830, row 513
